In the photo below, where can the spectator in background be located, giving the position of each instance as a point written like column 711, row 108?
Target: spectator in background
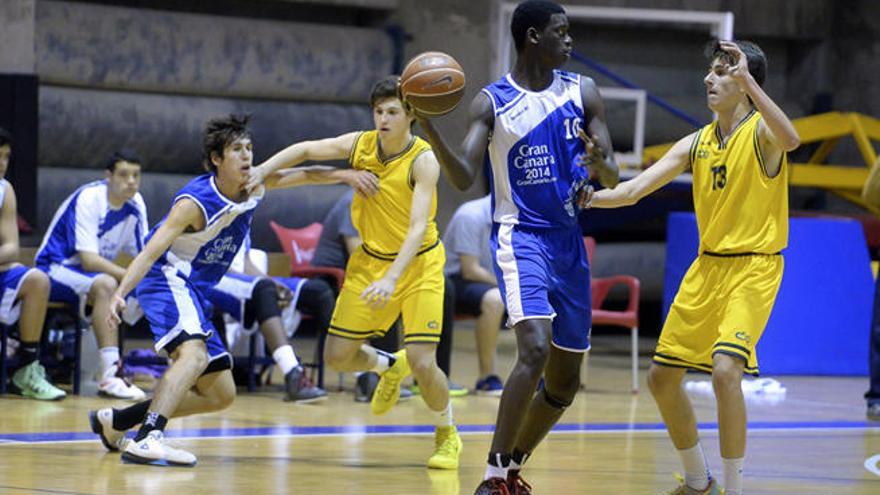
column 469, row 265
column 24, row 293
column 90, row 229
column 871, row 196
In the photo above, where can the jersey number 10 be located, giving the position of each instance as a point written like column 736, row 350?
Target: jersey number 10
column 571, row 127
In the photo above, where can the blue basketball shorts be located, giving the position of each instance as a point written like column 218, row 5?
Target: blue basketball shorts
column 544, row 274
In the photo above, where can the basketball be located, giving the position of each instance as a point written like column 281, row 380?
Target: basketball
column 433, row 83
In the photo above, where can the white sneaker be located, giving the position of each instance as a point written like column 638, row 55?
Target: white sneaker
column 113, row 385
column 102, row 425
column 156, row 451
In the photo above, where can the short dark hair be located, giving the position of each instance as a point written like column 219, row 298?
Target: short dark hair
column 123, row 155
column 220, row 132
column 387, row 87
column 5, row 137
column 528, row 14
column 755, row 57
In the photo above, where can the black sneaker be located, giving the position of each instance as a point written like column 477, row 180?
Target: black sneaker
column 298, row 387
column 366, row 385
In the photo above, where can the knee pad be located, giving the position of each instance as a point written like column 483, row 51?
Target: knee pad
column 265, row 301
column 555, row 402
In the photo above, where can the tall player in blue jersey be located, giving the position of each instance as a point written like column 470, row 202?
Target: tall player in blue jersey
column 187, row 253
column 529, row 125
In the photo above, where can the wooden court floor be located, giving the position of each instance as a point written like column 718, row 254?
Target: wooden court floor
column 815, row 441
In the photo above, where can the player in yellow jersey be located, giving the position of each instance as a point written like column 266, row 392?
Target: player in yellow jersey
column 740, row 187
column 399, row 267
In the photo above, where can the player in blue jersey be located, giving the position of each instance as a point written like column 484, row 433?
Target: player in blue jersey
column 90, row 229
column 188, row 252
column 531, row 126
column 24, row 293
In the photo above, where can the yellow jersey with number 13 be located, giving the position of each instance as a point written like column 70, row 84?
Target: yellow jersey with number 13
column 382, row 220
column 740, row 209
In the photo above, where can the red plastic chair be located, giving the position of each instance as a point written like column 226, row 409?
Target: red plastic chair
column 299, row 245
column 629, row 318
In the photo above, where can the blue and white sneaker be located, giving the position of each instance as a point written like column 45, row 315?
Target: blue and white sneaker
column 155, row 450
column 491, row 386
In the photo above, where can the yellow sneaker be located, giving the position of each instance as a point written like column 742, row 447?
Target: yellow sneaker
column 683, row 489
column 447, row 448
column 388, row 390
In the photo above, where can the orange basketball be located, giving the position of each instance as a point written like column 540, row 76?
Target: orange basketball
column 433, row 83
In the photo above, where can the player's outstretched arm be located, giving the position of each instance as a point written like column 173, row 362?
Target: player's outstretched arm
column 601, row 156
column 672, row 164
column 361, row 181
column 461, row 169
column 335, row 148
column 8, row 227
column 184, row 214
column 776, row 133
column 425, row 173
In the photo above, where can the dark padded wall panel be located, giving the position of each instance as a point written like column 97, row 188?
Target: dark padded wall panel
column 150, row 50
column 296, row 207
column 81, row 127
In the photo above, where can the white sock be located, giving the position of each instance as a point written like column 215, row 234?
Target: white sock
column 444, row 417
column 696, row 474
column 384, row 361
column 733, row 476
column 109, row 357
column 285, row 358
column 498, row 471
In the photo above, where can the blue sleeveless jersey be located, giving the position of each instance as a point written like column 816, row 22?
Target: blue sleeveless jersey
column 204, row 257
column 532, row 152
column 85, row 221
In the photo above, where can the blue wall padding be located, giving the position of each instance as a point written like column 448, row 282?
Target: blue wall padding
column 821, row 321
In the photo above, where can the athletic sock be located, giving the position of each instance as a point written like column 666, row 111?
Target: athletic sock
column 733, row 476
column 109, row 357
column 124, row 419
column 497, row 466
column 517, row 459
column 27, row 353
column 696, row 474
column 153, row 421
column 384, row 361
column 444, row 417
column 285, row 358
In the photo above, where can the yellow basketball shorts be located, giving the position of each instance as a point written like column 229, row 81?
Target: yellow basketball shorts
column 418, row 296
column 722, row 306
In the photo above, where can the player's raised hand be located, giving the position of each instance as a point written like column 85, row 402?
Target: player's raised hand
column 117, row 306
column 739, row 70
column 365, row 183
column 593, row 152
column 378, row 293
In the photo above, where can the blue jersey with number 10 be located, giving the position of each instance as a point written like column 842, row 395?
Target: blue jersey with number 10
column 533, row 152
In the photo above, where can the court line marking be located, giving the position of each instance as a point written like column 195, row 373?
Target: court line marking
column 465, row 429
column 872, row 464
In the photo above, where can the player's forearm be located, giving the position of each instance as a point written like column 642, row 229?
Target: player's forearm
column 459, row 171
column 9, row 253
column 621, row 195
column 135, row 273
column 414, row 238
column 93, row 262
column 479, row 274
column 780, row 126
column 289, row 157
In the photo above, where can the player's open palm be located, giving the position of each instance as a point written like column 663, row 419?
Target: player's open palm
column 379, row 292
column 593, row 153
